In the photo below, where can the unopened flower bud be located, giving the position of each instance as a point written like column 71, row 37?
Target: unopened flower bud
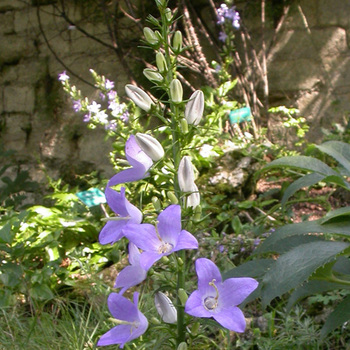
column 185, row 174
column 168, row 14
column 150, row 146
column 194, row 199
column 177, row 41
column 161, row 3
column 197, row 213
column 195, row 328
column 161, row 63
column 182, row 296
column 172, row 197
column 139, row 97
column 152, row 75
column 176, row 91
column 150, row 36
column 182, row 346
column 154, row 320
column 165, row 308
column 180, row 261
column 194, row 108
column 156, row 203
column 184, row 126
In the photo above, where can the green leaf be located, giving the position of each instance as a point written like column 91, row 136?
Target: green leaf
column 254, row 268
column 345, row 211
column 302, row 163
column 313, row 287
column 305, row 181
column 41, row 292
column 5, row 234
column 302, row 228
column 295, row 267
column 340, row 151
column 339, row 316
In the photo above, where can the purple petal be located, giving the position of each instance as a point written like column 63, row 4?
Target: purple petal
column 112, row 232
column 134, row 254
column 117, row 335
column 143, row 236
column 206, row 272
column 116, row 200
column 147, row 259
column 233, row 291
column 169, row 224
column 135, row 155
column 194, row 305
column 232, row 319
column 122, row 308
column 186, row 241
column 128, row 175
column 130, row 276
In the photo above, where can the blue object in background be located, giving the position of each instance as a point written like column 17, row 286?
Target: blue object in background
column 240, row 115
column 92, row 197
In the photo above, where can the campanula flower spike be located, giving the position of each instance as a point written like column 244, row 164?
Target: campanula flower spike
column 139, row 161
column 132, row 322
column 167, row 237
column 219, row 299
column 127, row 214
column 133, row 274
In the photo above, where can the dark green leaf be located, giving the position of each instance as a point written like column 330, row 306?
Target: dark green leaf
column 254, row 268
column 5, row 233
column 296, row 266
column 340, row 151
column 313, row 287
column 340, row 315
column 336, row 213
column 305, row 181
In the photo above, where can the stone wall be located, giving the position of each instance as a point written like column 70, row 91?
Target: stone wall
column 308, row 68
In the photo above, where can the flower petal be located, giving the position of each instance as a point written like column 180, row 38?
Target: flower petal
column 206, row 272
column 232, row 319
column 134, row 154
column 195, row 307
column 134, row 254
column 143, row 236
column 122, row 308
column 147, row 259
column 233, row 291
column 128, row 175
column 112, row 232
column 130, row 276
column 169, row 223
column 117, row 335
column 116, row 200
column 186, row 241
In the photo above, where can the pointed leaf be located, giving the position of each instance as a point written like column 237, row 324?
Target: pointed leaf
column 305, row 181
column 254, row 268
column 313, row 287
column 297, row 265
column 340, row 151
column 340, row 315
column 345, row 211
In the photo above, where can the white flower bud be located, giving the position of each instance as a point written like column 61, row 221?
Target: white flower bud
column 194, row 108
column 161, row 63
column 150, row 146
column 152, row 75
column 140, row 98
column 176, row 91
column 177, row 41
column 194, row 199
column 165, row 308
column 168, row 14
column 150, row 36
column 185, row 174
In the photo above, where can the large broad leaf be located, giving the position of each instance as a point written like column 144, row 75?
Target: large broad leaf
column 313, row 287
column 345, row 211
column 339, row 316
column 305, row 181
column 254, row 268
column 302, row 163
column 271, row 244
column 296, row 266
column 340, row 151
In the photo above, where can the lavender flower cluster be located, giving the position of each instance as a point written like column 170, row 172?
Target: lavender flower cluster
column 228, row 15
column 148, row 243
column 94, row 113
